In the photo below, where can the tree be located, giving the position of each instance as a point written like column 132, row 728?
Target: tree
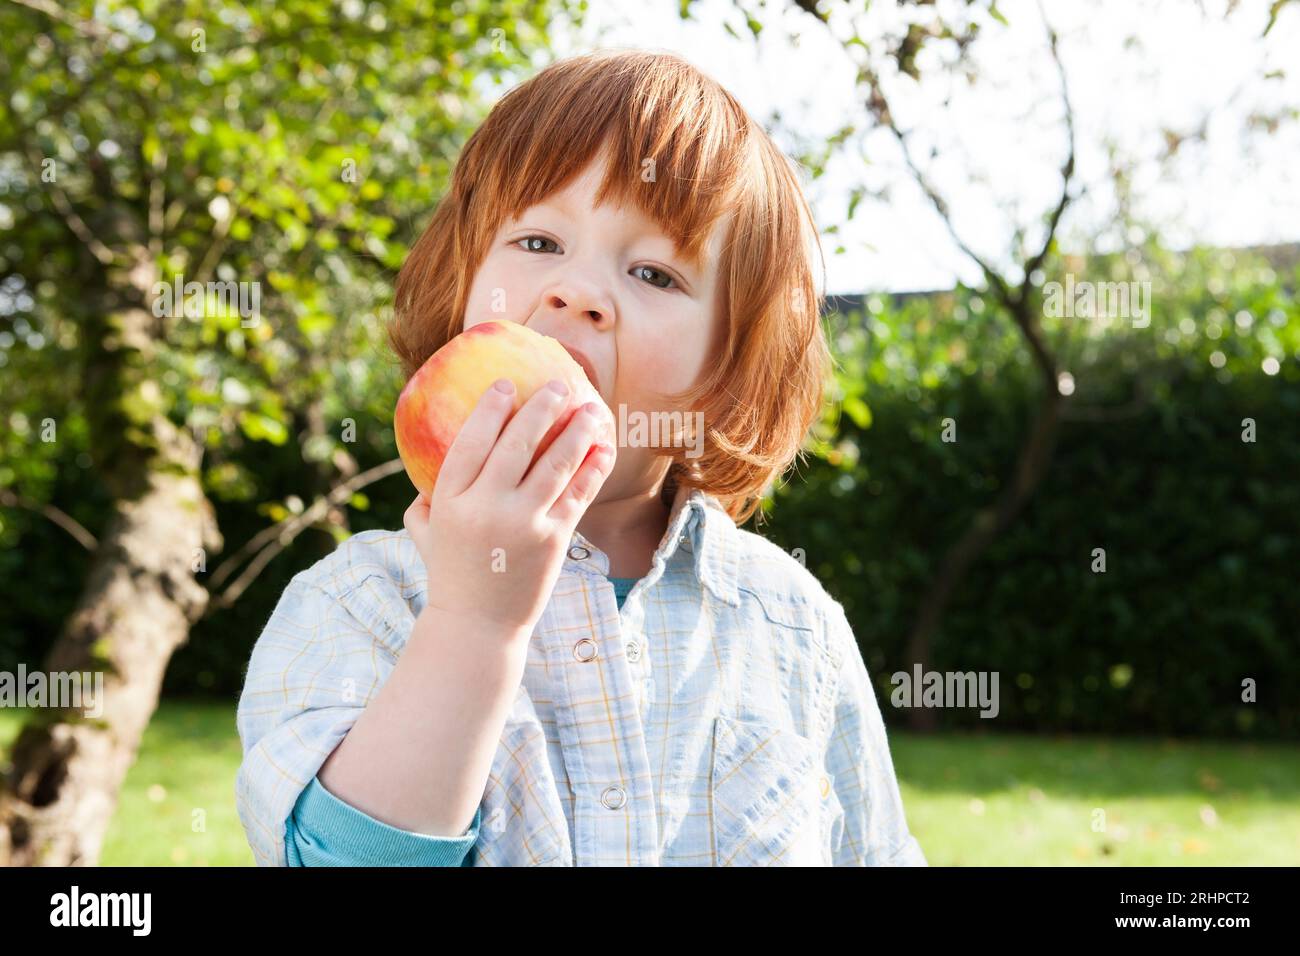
column 887, row 53
column 203, row 204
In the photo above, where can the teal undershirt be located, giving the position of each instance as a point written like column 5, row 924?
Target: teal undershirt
column 621, row 588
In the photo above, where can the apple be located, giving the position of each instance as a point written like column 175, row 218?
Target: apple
column 441, row 394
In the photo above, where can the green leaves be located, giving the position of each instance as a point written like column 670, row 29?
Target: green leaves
column 259, row 427
column 286, row 149
column 858, row 410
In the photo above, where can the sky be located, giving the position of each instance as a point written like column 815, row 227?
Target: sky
column 1133, row 67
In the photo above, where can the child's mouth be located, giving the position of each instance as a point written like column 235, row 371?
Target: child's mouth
column 581, row 359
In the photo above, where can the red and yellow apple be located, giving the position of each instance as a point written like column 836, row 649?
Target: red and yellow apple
column 440, row 396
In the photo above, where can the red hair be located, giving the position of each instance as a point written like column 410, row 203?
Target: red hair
column 682, row 150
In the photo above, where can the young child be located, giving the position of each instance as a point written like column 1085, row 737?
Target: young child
column 587, row 662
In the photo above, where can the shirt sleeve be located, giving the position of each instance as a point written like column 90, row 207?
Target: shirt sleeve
column 325, row 830
column 310, row 675
column 873, row 831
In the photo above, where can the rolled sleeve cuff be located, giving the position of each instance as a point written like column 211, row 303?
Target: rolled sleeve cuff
column 327, row 831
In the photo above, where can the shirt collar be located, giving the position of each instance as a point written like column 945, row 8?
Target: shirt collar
column 697, row 523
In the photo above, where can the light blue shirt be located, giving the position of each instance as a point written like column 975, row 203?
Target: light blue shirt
column 721, row 716
column 327, row 831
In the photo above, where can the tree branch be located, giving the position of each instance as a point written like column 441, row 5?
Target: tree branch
column 74, row 221
column 157, row 199
column 879, row 107
column 271, row 541
column 11, row 499
column 90, row 28
column 1067, row 168
column 1035, row 453
column 220, row 234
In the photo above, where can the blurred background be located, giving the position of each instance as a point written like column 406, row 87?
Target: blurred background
column 1063, row 443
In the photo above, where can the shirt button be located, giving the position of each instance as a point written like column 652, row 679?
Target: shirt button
column 613, row 798
column 633, row 651
column 579, row 553
column 585, row 650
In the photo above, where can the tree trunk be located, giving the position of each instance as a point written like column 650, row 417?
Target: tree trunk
column 138, row 602
column 988, row 523
column 136, row 609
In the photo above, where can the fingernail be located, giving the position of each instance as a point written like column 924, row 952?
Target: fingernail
column 504, row 385
column 558, row 387
column 591, row 408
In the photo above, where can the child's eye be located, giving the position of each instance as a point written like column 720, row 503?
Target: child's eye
column 658, row 272
column 524, row 243
column 528, row 239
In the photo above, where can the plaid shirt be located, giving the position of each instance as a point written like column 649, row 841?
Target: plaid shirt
column 723, row 717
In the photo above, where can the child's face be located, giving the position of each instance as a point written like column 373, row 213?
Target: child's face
column 606, row 282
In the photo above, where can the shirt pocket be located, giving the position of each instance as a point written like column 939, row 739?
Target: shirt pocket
column 770, row 798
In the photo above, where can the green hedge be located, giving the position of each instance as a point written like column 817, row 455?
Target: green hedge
column 1201, row 544
column 1201, row 530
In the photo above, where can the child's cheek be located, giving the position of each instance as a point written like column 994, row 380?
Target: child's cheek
column 494, row 297
column 668, row 363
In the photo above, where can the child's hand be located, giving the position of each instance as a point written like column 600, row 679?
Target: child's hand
column 493, row 532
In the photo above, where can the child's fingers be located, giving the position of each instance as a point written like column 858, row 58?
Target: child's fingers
column 473, row 443
column 417, row 513
column 581, row 491
column 555, row 467
column 510, row 458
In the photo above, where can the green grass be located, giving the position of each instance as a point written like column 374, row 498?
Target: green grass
column 970, row 800
column 177, row 807
column 1066, row 801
